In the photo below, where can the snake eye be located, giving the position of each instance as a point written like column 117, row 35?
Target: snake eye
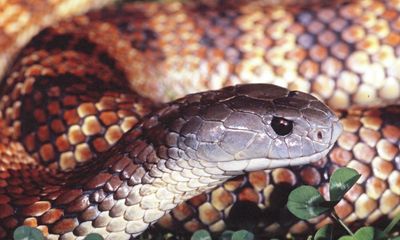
column 281, row 126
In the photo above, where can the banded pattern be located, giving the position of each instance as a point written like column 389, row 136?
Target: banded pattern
column 346, row 54
column 20, row 20
column 173, row 154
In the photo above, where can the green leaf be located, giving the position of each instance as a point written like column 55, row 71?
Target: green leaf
column 366, row 233
column 93, row 236
column 347, row 237
column 201, row 235
column 27, row 233
column 341, row 181
column 305, row 202
column 226, row 235
column 242, row 235
column 392, row 224
column 324, row 233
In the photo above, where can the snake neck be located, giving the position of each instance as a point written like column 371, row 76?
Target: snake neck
column 144, row 180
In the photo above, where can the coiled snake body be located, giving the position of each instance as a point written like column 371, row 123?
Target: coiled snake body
column 81, row 152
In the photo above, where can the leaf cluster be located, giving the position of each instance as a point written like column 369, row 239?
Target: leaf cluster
column 227, row 235
column 305, row 202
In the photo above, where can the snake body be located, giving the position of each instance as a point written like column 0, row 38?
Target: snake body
column 82, row 153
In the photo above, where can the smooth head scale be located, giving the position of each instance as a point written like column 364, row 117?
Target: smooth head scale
column 246, row 128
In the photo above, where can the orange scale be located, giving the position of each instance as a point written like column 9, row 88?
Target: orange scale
column 71, row 117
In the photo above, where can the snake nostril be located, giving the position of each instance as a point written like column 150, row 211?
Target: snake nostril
column 319, row 135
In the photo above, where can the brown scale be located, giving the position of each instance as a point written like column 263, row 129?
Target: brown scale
column 66, row 112
column 66, row 104
column 346, row 54
column 22, row 19
column 55, row 201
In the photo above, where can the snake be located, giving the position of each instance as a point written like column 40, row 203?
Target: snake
column 179, row 116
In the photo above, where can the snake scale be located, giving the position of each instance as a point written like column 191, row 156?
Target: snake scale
column 81, row 152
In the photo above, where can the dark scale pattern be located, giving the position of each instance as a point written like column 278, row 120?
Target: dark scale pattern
column 67, row 99
column 138, row 33
column 66, row 119
column 92, row 197
column 85, row 118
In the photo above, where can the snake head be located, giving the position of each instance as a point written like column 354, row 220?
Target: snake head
column 251, row 127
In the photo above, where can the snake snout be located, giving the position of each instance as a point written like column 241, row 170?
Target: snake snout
column 337, row 130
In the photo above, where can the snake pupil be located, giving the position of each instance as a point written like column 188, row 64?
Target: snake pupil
column 281, row 126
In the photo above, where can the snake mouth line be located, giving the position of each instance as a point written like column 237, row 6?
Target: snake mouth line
column 255, row 164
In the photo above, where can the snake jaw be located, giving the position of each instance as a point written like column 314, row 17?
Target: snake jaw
column 238, row 167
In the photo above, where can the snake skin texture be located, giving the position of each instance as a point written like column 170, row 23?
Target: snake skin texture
column 66, row 100
column 21, row 19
